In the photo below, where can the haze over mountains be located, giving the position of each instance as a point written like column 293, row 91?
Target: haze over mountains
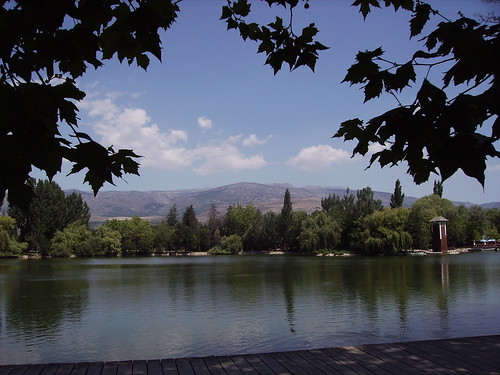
column 154, row 205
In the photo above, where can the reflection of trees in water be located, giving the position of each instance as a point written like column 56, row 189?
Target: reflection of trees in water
column 40, row 297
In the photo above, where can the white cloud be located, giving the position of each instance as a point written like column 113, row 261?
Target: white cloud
column 254, row 140
column 132, row 128
column 205, row 123
column 376, row 147
column 226, row 157
column 319, row 157
column 493, row 167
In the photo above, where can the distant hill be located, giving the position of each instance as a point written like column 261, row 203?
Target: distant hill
column 155, row 205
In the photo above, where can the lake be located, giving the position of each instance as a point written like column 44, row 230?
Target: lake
column 66, row 310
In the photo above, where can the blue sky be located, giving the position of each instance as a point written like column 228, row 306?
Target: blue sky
column 213, row 114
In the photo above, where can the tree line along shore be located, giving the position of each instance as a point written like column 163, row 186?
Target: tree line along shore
column 57, row 225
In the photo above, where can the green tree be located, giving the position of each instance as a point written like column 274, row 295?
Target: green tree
column 238, row 218
column 286, row 220
column 343, row 209
column 422, row 211
column 298, row 218
column 137, row 235
column 9, row 245
column 385, row 231
column 270, row 230
column 109, row 241
column 477, row 223
column 76, row 239
column 50, row 211
column 187, row 230
column 397, row 198
column 493, row 215
column 172, row 217
column 438, row 189
column 228, row 245
column 319, row 232
column 366, row 203
column 254, row 234
column 164, row 237
column 215, row 224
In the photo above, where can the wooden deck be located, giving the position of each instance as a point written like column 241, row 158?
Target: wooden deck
column 474, row 355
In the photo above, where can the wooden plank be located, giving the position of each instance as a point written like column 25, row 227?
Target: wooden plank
column 199, row 366
column 337, row 367
column 323, row 367
column 110, row 368
column 154, row 367
column 95, row 368
column 228, row 365
column 35, row 369
column 243, row 365
column 49, row 369
column 65, row 369
column 370, row 363
column 259, row 365
column 124, row 368
column 480, row 354
column 169, row 367
column 139, row 368
column 273, row 364
column 440, row 365
column 338, row 355
column 477, row 355
column 417, row 357
column 80, row 368
column 439, row 356
column 184, row 366
column 301, row 365
column 399, row 359
column 17, row 369
column 213, row 365
column 6, row 369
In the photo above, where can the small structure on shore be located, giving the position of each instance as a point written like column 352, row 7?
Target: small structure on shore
column 439, row 234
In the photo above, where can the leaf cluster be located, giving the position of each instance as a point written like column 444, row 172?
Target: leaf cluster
column 438, row 132
column 45, row 47
column 277, row 40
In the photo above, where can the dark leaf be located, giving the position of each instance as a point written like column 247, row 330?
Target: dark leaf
column 404, row 4
column 241, row 8
column 404, row 74
column 20, row 196
column 373, row 88
column 364, row 6
column 226, row 12
column 420, row 18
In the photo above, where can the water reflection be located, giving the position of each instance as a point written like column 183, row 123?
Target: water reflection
column 142, row 308
column 41, row 296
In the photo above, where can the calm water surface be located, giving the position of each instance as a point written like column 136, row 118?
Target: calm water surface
column 145, row 308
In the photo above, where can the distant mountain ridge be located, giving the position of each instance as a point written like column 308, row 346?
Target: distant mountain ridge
column 155, row 205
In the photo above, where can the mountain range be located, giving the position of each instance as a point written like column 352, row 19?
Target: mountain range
column 155, row 205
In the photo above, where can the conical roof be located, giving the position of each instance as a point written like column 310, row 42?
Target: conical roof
column 437, row 219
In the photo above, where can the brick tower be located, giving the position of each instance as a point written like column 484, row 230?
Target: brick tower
column 439, row 234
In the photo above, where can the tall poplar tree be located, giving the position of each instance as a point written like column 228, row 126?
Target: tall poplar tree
column 398, row 197
column 172, row 218
column 438, row 189
column 286, row 219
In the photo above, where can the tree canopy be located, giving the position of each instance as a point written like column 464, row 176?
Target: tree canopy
column 452, row 124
